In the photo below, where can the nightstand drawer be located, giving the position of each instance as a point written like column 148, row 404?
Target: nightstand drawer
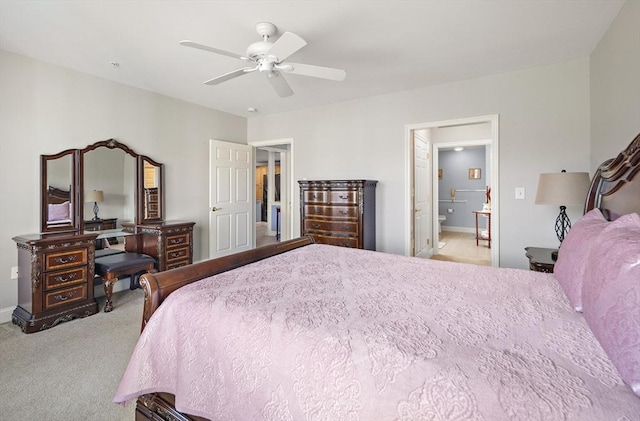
column 65, row 277
column 62, row 297
column 65, row 259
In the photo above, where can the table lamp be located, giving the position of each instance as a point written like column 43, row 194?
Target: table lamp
column 562, row 189
column 94, row 196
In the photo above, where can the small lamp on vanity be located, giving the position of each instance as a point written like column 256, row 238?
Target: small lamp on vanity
column 562, row 189
column 94, row 196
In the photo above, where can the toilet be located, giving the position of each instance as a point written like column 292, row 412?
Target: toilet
column 440, row 219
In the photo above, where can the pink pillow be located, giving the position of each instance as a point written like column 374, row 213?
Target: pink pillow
column 611, row 295
column 59, row 212
column 572, row 256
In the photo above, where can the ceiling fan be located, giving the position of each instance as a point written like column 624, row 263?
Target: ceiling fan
column 268, row 57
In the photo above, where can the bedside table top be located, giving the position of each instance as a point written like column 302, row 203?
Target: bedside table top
column 540, row 259
column 540, row 255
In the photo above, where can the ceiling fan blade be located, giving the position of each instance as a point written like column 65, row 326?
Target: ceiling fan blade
column 230, row 75
column 192, row 44
column 314, row 71
column 279, row 83
column 287, row 44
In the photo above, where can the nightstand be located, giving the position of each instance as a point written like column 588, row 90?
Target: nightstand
column 540, row 259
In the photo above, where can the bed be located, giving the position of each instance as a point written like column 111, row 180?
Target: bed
column 304, row 331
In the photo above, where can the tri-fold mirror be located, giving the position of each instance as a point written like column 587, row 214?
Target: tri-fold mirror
column 105, row 180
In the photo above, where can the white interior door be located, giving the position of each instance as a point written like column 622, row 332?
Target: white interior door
column 421, row 202
column 231, row 198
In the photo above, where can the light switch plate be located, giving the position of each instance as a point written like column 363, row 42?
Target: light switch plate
column 519, row 193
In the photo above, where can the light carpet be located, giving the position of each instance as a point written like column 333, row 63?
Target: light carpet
column 441, row 244
column 71, row 371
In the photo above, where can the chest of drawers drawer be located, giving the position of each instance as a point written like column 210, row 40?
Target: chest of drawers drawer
column 316, row 196
column 343, row 197
column 333, row 212
column 336, row 241
column 331, row 227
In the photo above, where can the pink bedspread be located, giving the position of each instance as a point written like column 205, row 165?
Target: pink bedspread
column 329, row 333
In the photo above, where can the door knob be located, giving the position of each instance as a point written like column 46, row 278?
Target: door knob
column 213, row 209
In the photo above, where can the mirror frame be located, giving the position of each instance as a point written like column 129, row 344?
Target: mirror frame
column 73, row 192
column 140, row 193
column 77, row 185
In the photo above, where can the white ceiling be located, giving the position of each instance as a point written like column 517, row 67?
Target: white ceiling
column 384, row 46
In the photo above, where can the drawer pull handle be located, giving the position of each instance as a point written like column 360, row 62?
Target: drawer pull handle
column 343, row 196
column 63, row 260
column 65, row 278
column 343, row 212
column 316, row 225
column 175, row 254
column 62, row 297
column 316, row 196
column 176, row 240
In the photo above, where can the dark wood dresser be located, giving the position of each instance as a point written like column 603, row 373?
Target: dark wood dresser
column 339, row 212
column 169, row 242
column 55, row 279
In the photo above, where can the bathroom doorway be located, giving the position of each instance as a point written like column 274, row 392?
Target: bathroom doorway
column 274, row 190
column 475, row 133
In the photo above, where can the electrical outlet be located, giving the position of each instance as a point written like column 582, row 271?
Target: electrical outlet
column 14, row 272
column 520, row 193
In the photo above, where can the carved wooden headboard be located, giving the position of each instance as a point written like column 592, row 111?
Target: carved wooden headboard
column 56, row 196
column 615, row 187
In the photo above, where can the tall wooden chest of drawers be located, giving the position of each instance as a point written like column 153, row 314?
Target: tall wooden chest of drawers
column 55, row 279
column 169, row 242
column 339, row 212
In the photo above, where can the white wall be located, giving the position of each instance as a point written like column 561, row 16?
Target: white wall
column 615, row 86
column 544, row 126
column 45, row 109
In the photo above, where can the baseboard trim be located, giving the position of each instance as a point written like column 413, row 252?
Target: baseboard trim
column 459, row 229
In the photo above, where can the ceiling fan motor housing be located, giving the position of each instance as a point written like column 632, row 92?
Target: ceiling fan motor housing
column 258, row 49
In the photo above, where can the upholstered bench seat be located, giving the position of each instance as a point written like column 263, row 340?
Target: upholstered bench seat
column 114, row 266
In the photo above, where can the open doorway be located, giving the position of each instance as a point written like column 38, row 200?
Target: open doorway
column 274, row 190
column 430, row 139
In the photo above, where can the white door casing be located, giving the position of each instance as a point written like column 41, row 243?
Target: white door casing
column 231, row 198
column 421, row 199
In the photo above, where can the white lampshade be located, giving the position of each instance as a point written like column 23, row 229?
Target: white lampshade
column 563, row 188
column 94, row 196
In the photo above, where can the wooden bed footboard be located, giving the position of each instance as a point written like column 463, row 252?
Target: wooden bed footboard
column 158, row 286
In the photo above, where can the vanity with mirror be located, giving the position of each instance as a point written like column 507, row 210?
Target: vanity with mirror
column 105, row 196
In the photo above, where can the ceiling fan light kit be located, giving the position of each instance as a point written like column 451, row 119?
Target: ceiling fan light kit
column 268, row 57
